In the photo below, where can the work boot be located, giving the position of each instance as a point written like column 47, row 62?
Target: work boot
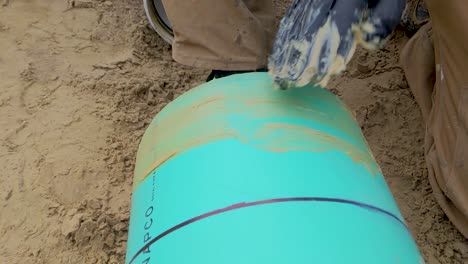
column 216, row 74
column 414, row 16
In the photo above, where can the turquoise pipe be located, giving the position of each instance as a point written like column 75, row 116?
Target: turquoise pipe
column 234, row 171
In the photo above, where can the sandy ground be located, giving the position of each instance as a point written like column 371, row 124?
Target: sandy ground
column 81, row 80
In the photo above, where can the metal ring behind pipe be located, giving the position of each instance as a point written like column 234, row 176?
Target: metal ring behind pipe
column 158, row 19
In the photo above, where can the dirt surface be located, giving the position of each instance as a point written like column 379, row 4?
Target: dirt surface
column 81, row 80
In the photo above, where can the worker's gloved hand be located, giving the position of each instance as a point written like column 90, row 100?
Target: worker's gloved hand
column 317, row 38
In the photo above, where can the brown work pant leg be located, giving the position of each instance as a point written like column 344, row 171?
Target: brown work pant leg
column 435, row 61
column 221, row 34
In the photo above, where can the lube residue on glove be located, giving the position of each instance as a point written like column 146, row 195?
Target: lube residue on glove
column 309, row 61
column 317, row 59
column 368, row 29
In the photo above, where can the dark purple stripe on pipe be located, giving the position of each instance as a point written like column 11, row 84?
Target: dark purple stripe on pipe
column 270, row 201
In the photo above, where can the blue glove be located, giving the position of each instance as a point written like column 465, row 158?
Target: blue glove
column 317, row 38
